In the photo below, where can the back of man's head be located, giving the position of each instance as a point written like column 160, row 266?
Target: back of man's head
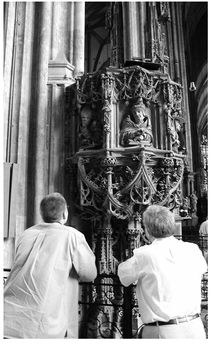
column 159, row 221
column 52, row 207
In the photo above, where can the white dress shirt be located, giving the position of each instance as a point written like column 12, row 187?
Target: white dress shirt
column 203, row 230
column 168, row 275
column 41, row 292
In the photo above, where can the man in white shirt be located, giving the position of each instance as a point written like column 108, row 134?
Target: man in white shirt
column 41, row 292
column 203, row 230
column 168, row 276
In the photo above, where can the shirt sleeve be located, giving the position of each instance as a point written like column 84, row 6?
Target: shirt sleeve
column 202, row 264
column 84, row 261
column 127, row 271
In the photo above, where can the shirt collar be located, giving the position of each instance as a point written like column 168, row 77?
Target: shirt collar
column 163, row 240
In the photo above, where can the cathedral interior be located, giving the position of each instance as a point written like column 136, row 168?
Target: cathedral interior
column 106, row 103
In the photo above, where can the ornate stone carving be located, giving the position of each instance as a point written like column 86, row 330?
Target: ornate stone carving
column 136, row 127
column 118, row 189
column 137, row 163
column 193, row 202
column 107, row 114
column 163, row 11
column 185, row 207
column 90, row 129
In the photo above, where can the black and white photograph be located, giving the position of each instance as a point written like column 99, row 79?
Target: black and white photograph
column 105, row 170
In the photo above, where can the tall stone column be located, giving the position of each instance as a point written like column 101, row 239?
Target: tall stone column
column 60, row 75
column 176, row 61
column 10, row 17
column 56, row 34
column 67, row 57
column 18, row 51
column 185, row 83
column 79, row 37
column 37, row 167
column 19, row 35
column 42, row 40
column 177, row 68
column 142, row 22
column 26, row 89
column 133, row 27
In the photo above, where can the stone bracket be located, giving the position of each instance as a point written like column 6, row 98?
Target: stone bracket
column 60, row 71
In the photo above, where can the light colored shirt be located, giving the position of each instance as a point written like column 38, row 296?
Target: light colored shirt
column 168, row 274
column 41, row 292
column 203, row 230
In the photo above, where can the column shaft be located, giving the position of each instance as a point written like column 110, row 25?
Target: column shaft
column 79, row 37
column 38, row 151
column 24, row 116
column 134, row 32
column 9, row 63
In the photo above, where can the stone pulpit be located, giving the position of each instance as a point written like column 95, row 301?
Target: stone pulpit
column 128, row 153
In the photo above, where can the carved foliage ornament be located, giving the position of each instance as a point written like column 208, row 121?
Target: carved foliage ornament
column 128, row 83
column 135, row 84
column 118, row 188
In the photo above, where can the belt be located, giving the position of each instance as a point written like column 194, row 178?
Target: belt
column 174, row 321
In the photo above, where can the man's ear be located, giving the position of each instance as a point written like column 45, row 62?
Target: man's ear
column 149, row 236
column 65, row 215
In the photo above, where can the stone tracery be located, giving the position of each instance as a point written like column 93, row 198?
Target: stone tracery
column 137, row 162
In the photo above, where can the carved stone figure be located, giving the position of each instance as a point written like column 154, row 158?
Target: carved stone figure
column 86, row 117
column 90, row 131
column 175, row 132
column 173, row 129
column 193, row 200
column 136, row 127
column 185, row 208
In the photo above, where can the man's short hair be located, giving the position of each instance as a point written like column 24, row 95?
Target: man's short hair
column 159, row 221
column 52, row 207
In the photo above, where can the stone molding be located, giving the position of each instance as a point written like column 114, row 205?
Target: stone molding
column 60, row 71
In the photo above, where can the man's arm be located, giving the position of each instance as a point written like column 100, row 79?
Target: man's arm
column 202, row 262
column 127, row 271
column 84, row 261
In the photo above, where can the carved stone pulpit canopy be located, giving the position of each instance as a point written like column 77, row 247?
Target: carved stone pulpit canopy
column 129, row 152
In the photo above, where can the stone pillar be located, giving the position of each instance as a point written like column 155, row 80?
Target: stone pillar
column 142, row 23
column 79, row 37
column 24, row 114
column 14, row 50
column 133, row 27
column 184, row 81
column 60, row 75
column 10, row 17
column 56, row 34
column 70, row 42
column 129, row 28
column 176, row 45
column 62, row 30
column 19, row 35
column 37, row 167
column 177, row 67
column 37, row 34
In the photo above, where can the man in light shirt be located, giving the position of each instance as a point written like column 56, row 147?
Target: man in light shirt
column 203, row 230
column 41, row 292
column 168, row 276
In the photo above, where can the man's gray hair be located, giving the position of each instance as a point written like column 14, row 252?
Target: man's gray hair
column 159, row 221
column 52, row 207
